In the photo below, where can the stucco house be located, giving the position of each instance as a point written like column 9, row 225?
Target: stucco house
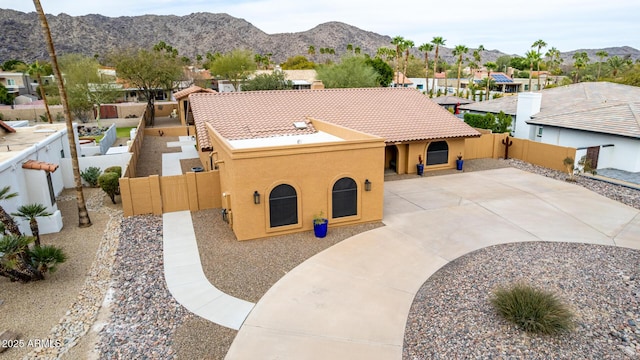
column 283, row 156
column 600, row 119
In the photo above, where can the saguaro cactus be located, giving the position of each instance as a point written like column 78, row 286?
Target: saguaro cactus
column 507, row 143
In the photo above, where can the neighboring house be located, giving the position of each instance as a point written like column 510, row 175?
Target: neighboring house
column 301, row 79
column 452, row 103
column 29, row 162
column 283, row 156
column 600, row 119
column 182, row 97
column 399, row 80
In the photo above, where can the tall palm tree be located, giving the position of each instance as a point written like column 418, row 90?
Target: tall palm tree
column 539, row 44
column 490, row 66
column 531, row 59
column 580, row 61
column 426, row 48
column 437, row 41
column 6, row 219
column 83, row 214
column 398, row 41
column 601, row 54
column 30, row 212
column 408, row 44
column 37, row 70
column 459, row 51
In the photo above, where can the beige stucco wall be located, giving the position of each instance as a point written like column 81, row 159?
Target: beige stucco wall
column 312, row 169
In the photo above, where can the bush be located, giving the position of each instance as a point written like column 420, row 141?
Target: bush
column 532, row 310
column 114, row 169
column 110, row 183
column 91, row 175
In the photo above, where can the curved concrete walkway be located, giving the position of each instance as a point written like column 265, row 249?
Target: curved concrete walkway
column 352, row 300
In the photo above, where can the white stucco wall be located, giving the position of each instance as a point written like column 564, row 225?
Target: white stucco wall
column 102, row 161
column 624, row 155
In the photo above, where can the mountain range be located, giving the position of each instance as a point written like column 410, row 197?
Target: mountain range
column 197, row 34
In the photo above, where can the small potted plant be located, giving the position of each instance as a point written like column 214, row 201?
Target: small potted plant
column 459, row 162
column 420, row 166
column 320, row 225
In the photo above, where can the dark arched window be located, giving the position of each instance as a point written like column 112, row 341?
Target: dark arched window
column 438, row 153
column 283, row 206
column 344, row 198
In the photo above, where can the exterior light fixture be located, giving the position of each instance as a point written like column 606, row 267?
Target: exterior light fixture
column 367, row 185
column 256, row 197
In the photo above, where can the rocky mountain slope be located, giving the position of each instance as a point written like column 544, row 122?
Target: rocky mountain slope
column 194, row 34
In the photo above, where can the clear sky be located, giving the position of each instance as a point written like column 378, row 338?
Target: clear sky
column 510, row 26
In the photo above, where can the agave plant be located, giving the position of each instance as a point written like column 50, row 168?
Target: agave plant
column 46, row 258
column 21, row 263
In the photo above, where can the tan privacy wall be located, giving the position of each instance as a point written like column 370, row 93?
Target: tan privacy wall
column 491, row 146
column 159, row 194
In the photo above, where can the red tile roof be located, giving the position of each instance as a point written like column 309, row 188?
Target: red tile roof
column 396, row 114
column 190, row 90
column 6, row 127
column 39, row 165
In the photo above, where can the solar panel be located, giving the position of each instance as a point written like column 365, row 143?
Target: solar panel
column 501, row 78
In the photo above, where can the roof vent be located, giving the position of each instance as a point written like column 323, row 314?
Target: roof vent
column 300, row 125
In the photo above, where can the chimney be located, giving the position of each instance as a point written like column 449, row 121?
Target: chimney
column 528, row 105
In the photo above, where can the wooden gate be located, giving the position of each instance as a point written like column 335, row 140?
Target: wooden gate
column 592, row 155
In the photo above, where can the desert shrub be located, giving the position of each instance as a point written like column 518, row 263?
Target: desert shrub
column 114, row 169
column 91, row 175
column 531, row 309
column 110, row 183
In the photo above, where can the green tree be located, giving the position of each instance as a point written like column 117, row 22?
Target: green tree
column 399, row 42
column 109, row 182
column 274, row 81
column 5, row 97
column 539, row 44
column 426, row 48
column 601, row 54
column 148, row 71
column 554, row 60
column 312, row 50
column 87, row 88
column 12, row 65
column 532, row 59
column 37, row 70
column 350, row 48
column 383, row 70
column 459, row 51
column 580, row 61
column 31, row 212
column 503, row 62
column 83, row 215
column 490, row 66
column 351, row 72
column 437, row 41
column 298, row 62
column 234, row 66
column 616, row 64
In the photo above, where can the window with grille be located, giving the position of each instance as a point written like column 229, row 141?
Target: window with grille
column 438, row 153
column 283, row 206
column 344, row 198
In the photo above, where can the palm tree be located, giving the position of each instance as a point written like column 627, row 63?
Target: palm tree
column 532, row 58
column 398, row 41
column 490, row 66
column 437, row 41
column 83, row 214
column 426, row 48
column 601, row 55
column 30, row 212
column 539, row 44
column 459, row 51
column 581, row 59
column 6, row 219
column 408, row 44
column 616, row 63
column 554, row 61
column 37, row 70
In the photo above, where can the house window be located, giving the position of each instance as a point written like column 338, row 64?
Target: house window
column 344, row 198
column 52, row 194
column 438, row 153
column 283, row 206
column 539, row 131
column 11, row 82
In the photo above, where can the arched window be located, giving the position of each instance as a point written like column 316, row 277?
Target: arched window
column 344, row 198
column 438, row 153
column 283, row 206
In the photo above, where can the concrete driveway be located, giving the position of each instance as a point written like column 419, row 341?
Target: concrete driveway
column 352, row 300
